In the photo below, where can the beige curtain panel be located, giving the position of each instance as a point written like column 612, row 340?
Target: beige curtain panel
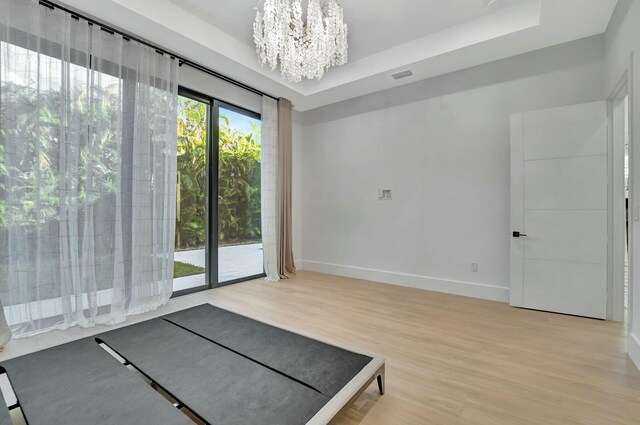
column 286, row 265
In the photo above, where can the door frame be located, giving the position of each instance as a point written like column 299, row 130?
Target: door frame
column 616, row 211
column 211, row 198
column 211, row 219
column 217, row 104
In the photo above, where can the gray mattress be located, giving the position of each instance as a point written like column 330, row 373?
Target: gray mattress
column 321, row 366
column 80, row 383
column 5, row 419
column 211, row 380
column 225, row 368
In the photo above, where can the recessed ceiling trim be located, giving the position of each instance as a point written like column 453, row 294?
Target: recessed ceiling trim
column 503, row 22
column 164, row 23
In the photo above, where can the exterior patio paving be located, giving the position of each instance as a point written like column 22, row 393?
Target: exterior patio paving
column 234, row 262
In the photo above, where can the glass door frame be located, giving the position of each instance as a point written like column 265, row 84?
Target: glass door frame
column 211, row 198
column 250, row 114
column 212, row 181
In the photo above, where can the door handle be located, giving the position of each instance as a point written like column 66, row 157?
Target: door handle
column 519, row 235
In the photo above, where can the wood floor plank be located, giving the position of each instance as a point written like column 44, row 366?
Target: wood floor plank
column 455, row 360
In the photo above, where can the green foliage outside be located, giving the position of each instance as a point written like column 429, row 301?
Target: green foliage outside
column 239, row 180
column 181, row 269
column 32, row 117
column 239, row 219
column 32, row 120
column 35, row 182
column 192, row 174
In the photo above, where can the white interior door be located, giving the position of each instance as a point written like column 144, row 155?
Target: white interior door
column 559, row 206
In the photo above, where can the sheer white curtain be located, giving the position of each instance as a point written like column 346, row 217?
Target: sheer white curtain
column 269, row 187
column 87, row 171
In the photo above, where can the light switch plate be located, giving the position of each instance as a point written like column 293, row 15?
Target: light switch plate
column 636, row 212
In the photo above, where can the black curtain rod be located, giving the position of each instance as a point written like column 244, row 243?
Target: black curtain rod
column 181, row 60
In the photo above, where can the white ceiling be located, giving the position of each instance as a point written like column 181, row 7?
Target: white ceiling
column 404, row 21
column 430, row 37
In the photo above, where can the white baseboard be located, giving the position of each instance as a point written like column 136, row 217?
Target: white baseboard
column 633, row 347
column 467, row 289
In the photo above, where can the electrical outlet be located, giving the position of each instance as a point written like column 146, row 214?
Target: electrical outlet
column 474, row 267
column 384, row 194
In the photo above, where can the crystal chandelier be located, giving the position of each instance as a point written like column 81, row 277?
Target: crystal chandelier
column 304, row 48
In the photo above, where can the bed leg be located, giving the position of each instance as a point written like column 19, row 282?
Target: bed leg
column 380, row 378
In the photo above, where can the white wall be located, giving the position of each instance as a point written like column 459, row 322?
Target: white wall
column 622, row 42
column 442, row 145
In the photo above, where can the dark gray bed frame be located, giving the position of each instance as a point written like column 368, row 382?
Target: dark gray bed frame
column 217, row 366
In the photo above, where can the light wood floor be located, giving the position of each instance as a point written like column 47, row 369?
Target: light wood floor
column 450, row 360
column 454, row 360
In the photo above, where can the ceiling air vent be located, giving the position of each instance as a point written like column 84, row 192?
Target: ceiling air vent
column 402, row 74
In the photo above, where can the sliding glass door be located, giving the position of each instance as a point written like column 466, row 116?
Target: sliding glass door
column 218, row 221
column 239, row 220
column 191, row 243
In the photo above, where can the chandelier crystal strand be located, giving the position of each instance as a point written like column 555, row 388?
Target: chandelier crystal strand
column 291, row 59
column 301, row 49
